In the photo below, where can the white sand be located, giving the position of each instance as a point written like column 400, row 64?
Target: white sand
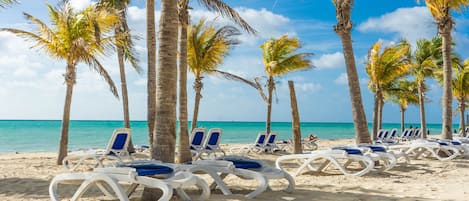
column 26, row 176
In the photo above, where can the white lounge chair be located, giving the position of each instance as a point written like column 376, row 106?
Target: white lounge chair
column 320, row 160
column 211, row 146
column 257, row 147
column 136, row 175
column 270, row 145
column 115, row 150
column 418, row 148
column 197, row 140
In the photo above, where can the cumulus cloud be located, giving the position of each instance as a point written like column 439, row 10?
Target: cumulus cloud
column 342, row 79
column 80, row 4
column 410, row 23
column 334, row 60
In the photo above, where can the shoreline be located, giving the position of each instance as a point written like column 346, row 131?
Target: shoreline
column 28, row 175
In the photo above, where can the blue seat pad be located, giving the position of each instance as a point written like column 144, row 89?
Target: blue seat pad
column 377, row 148
column 244, row 163
column 349, row 150
column 151, row 169
column 455, row 143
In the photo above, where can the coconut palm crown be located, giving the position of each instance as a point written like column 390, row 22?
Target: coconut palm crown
column 76, row 37
column 280, row 57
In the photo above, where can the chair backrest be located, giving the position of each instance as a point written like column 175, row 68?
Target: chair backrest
column 260, row 140
column 213, row 137
column 386, row 134
column 417, row 133
column 467, row 130
column 393, row 134
column 119, row 142
column 197, row 138
column 271, row 139
column 405, row 133
column 380, row 133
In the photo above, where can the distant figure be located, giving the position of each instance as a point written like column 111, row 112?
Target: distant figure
column 455, row 131
column 311, row 137
column 428, row 132
column 410, row 127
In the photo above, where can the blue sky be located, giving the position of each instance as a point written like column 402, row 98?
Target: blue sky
column 32, row 83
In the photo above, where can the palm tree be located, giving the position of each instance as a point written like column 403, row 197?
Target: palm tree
column 441, row 12
column 207, row 47
column 151, row 69
column 343, row 29
column 74, row 37
column 383, row 68
column 461, row 90
column 425, row 59
column 163, row 145
column 226, row 11
column 405, row 93
column 125, row 50
column 280, row 58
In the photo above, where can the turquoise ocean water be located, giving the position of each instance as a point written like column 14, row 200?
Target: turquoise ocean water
column 43, row 135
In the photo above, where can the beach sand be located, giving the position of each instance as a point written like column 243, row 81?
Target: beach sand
column 26, row 176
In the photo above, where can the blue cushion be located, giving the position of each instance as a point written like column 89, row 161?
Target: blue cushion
column 271, row 139
column 213, row 140
column 443, row 143
column 377, row 149
column 198, row 136
column 261, row 139
column 119, row 142
column 244, row 164
column 455, row 143
column 349, row 150
column 151, row 169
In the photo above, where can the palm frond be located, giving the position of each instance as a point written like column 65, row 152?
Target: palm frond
column 226, row 11
column 234, row 77
column 98, row 67
column 5, row 3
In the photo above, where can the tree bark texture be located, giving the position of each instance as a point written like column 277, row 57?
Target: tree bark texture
column 423, row 123
column 402, row 118
column 70, row 77
column 270, row 88
column 296, row 130
column 462, row 107
column 198, row 85
column 447, row 99
column 375, row 117
column 151, row 71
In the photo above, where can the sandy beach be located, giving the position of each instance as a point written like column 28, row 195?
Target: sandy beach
column 26, row 176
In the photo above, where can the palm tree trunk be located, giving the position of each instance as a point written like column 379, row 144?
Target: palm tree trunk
column 163, row 147
column 343, row 29
column 125, row 96
column 447, row 132
column 402, row 118
column 70, row 81
column 184, row 152
column 380, row 111
column 423, row 123
column 198, row 88
column 375, row 117
column 297, row 148
column 270, row 86
column 462, row 108
column 151, row 74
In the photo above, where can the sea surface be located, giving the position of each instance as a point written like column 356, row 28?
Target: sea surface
column 43, row 135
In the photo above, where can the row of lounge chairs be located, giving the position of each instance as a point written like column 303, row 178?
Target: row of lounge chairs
column 354, row 160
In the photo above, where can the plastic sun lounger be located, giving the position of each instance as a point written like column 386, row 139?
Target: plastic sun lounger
column 380, row 153
column 211, row 145
column 420, row 147
column 197, row 139
column 270, row 145
column 257, row 147
column 136, row 175
column 318, row 161
column 115, row 150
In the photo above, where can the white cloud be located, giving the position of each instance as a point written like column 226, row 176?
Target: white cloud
column 334, row 60
column 342, row 79
column 309, row 87
column 80, row 4
column 410, row 23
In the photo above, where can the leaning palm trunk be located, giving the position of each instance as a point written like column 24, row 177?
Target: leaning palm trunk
column 375, row 117
column 151, row 74
column 270, row 86
column 402, row 118
column 462, row 110
column 423, row 124
column 184, row 152
column 198, row 88
column 447, row 101
column 380, row 111
column 297, row 148
column 70, row 81
column 343, row 29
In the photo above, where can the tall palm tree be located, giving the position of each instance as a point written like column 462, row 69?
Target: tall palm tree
column 163, row 145
column 280, row 57
column 461, row 90
column 405, row 93
column 424, row 63
column 213, row 5
column 207, row 47
column 383, row 68
column 441, row 12
column 343, row 29
column 125, row 51
column 151, row 69
column 74, row 37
